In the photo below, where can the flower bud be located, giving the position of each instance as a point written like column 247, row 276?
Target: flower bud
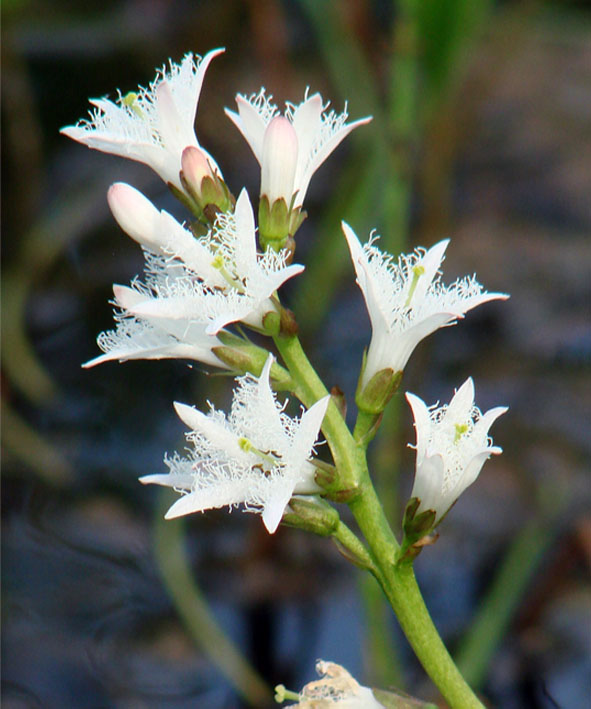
column 278, row 219
column 312, row 514
column 242, row 356
column 195, row 167
column 206, row 189
column 135, row 214
column 279, row 160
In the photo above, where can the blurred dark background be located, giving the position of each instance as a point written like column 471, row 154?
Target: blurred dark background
column 481, row 133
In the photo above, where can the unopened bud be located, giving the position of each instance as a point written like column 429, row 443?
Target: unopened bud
column 312, row 514
column 135, row 214
column 279, row 160
column 195, row 167
column 204, row 186
column 242, row 356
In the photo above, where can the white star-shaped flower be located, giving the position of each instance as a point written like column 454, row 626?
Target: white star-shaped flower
column 452, row 446
column 257, row 456
column 406, row 300
column 290, row 147
column 240, row 287
column 153, row 126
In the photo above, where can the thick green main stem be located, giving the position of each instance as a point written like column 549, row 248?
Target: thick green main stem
column 397, row 580
column 401, row 588
column 310, row 388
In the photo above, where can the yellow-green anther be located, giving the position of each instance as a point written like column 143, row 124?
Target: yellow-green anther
column 417, row 272
column 461, row 428
column 282, row 694
column 245, row 445
column 219, row 264
column 248, row 447
column 130, row 100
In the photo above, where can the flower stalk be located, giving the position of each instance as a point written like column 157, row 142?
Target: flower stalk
column 224, row 271
column 399, row 584
column 396, row 579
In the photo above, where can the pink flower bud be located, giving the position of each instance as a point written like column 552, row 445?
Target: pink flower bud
column 135, row 214
column 195, row 167
column 279, row 160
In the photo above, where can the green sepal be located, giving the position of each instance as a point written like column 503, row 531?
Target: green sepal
column 418, row 530
column 312, row 514
column 296, row 219
column 288, row 324
column 375, row 395
column 212, row 197
column 338, row 396
column 325, row 475
column 340, row 495
column 272, row 323
column 350, row 555
column 186, row 200
column 273, row 223
column 278, row 224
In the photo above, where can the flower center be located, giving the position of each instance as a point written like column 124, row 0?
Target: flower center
column 248, row 447
column 219, row 264
column 417, row 272
column 461, row 428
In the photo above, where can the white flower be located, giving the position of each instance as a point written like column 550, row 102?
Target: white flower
column 153, row 126
column 235, row 284
column 406, row 300
column 290, row 149
column 151, row 338
column 336, row 688
column 257, row 456
column 452, row 446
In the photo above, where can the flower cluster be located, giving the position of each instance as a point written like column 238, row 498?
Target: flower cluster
column 225, row 269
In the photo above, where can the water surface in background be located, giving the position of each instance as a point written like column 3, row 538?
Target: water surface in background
column 86, row 619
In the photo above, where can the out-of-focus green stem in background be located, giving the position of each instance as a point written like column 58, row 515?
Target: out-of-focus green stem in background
column 195, row 612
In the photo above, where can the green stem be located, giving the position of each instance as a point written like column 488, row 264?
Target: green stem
column 383, row 668
column 397, row 580
column 406, row 599
column 400, row 586
column 196, row 614
column 353, row 548
column 309, row 388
